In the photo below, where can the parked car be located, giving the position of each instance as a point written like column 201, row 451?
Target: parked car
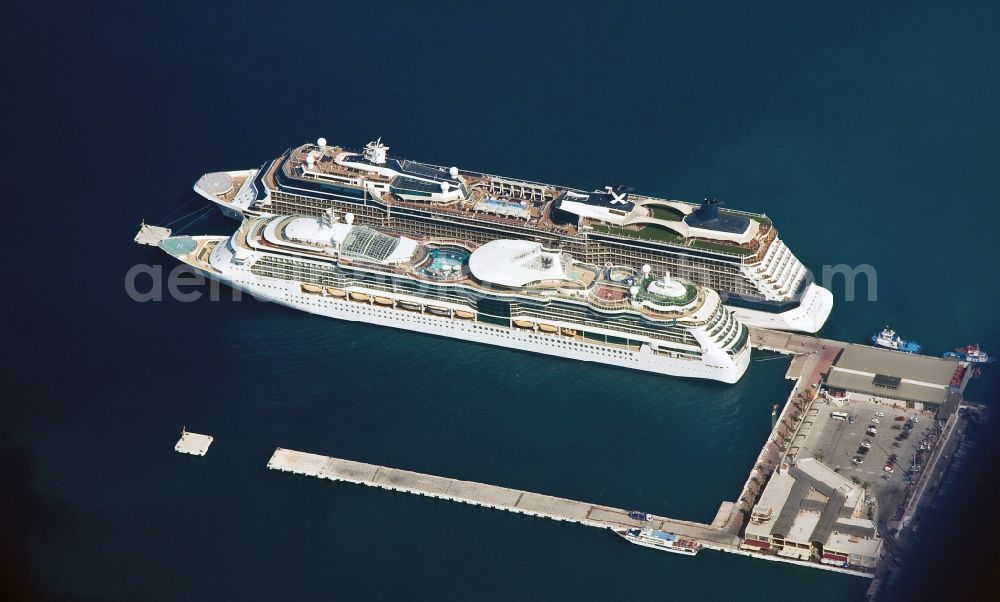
column 866, row 443
column 889, row 468
column 874, row 420
column 900, row 418
column 862, row 451
column 893, row 458
column 880, row 414
column 872, row 431
column 858, row 461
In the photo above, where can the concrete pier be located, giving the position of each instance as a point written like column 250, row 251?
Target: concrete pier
column 488, row 496
column 151, row 235
column 192, row 443
column 713, row 537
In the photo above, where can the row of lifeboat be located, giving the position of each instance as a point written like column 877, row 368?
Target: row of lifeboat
column 316, row 289
column 542, row 327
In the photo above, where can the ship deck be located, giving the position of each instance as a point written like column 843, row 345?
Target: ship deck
column 540, row 206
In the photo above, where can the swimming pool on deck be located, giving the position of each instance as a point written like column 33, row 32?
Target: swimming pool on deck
column 446, row 262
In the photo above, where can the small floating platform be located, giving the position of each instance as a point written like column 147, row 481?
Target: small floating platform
column 193, row 443
column 151, row 235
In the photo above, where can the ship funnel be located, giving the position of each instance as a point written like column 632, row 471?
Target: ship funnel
column 709, row 210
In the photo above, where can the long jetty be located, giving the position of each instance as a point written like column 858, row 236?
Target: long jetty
column 489, row 496
column 714, row 537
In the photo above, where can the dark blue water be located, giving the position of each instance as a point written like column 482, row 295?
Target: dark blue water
column 870, row 134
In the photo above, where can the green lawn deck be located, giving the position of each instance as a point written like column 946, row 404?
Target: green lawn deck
column 665, row 213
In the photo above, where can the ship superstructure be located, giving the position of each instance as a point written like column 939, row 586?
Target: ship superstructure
column 736, row 253
column 507, row 292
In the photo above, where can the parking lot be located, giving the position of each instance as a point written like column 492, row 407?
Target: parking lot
column 836, row 443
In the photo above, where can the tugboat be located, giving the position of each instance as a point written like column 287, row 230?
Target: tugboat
column 890, row 340
column 971, row 354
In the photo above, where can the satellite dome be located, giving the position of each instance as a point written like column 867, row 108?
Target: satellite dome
column 634, row 290
column 453, row 172
column 321, row 141
column 348, row 218
column 445, row 186
column 647, row 268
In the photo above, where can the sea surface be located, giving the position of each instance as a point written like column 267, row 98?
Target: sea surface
column 869, row 132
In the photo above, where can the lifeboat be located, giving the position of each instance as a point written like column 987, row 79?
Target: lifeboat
column 383, row 301
column 547, row 328
column 312, row 288
column 463, row 315
column 410, row 305
column 356, row 296
column 569, row 332
column 335, row 292
column 441, row 311
column 524, row 323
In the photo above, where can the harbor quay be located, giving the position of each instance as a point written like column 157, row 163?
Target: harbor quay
column 806, row 501
column 512, row 500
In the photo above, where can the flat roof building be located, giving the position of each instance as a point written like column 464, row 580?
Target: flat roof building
column 914, row 381
column 810, row 512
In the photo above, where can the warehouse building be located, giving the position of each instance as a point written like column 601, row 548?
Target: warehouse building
column 904, row 380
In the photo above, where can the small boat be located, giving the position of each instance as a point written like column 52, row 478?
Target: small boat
column 441, row 311
column 356, row 296
column 410, row 305
column 335, row 292
column 660, row 540
column 524, row 323
column 972, row 354
column 570, row 332
column 890, row 340
column 637, row 515
column 312, row 288
column 463, row 315
column 547, row 328
column 383, row 301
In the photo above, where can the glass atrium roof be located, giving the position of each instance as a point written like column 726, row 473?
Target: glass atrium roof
column 364, row 243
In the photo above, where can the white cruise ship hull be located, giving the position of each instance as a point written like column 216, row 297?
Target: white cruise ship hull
column 289, row 293
column 809, row 316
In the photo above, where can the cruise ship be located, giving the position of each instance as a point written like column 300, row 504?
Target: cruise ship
column 507, row 292
column 734, row 252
